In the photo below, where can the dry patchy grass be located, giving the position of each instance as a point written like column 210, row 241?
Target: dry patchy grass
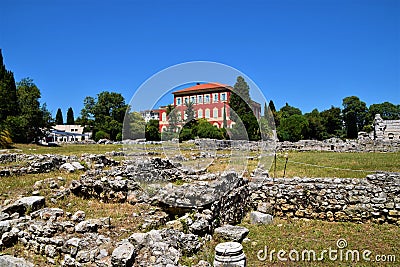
column 66, row 149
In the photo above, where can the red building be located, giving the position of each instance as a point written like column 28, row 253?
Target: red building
column 210, row 100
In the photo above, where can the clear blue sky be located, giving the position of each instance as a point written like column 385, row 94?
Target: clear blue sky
column 309, row 53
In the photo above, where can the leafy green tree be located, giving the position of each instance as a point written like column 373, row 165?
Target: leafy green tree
column 16, row 126
column 316, row 128
column 286, row 111
column 134, row 126
column 101, row 135
column 59, row 117
column 387, row 110
column 186, row 134
column 239, row 101
column 152, row 131
column 354, row 114
column 48, row 120
column 30, row 122
column 206, row 130
column 105, row 113
column 293, row 128
column 332, row 121
column 70, row 117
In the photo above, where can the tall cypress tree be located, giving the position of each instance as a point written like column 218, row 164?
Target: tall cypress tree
column 239, row 102
column 272, row 106
column 224, row 123
column 8, row 93
column 265, row 110
column 70, row 117
column 59, row 117
column 240, row 98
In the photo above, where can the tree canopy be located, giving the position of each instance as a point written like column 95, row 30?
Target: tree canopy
column 354, row 114
column 105, row 113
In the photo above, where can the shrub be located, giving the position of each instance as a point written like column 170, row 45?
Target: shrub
column 101, row 135
column 119, row 137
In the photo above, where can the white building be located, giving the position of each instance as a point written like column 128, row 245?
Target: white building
column 150, row 115
column 68, row 133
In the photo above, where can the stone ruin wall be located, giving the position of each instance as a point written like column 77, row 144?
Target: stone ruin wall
column 375, row 198
column 338, row 145
column 387, row 130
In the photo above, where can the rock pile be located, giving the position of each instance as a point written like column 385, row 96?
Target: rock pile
column 56, row 235
column 30, row 164
column 158, row 247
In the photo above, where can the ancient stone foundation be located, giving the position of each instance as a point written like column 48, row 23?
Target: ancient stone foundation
column 375, row 198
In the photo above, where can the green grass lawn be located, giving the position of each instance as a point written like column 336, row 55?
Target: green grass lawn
column 329, row 164
column 323, row 164
column 313, row 235
column 319, row 235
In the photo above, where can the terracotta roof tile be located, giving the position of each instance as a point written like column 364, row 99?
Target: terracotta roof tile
column 203, row 86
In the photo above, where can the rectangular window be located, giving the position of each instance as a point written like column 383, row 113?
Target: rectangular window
column 186, row 100
column 199, row 99
column 223, row 97
column 206, row 99
column 207, row 113
column 178, row 101
column 193, row 99
column 215, row 97
column 215, row 113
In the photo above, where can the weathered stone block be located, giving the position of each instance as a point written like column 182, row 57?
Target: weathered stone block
column 10, row 261
column 231, row 233
column 260, row 218
column 25, row 204
column 123, row 255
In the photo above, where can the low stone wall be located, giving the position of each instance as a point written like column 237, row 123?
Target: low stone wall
column 375, row 198
column 338, row 145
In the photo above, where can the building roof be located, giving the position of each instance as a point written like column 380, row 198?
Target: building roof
column 203, row 87
column 66, row 133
